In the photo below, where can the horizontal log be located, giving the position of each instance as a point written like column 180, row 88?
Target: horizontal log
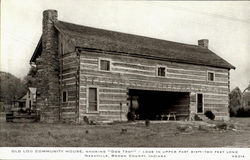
column 69, row 70
column 89, row 61
column 112, row 90
column 89, row 64
column 67, row 76
column 69, row 59
column 69, row 109
column 216, row 109
column 215, row 105
column 224, row 100
column 112, row 96
column 112, row 93
column 110, row 107
column 110, row 113
column 186, row 76
column 89, row 67
column 74, row 72
column 133, row 66
column 72, row 98
column 185, row 71
column 215, row 96
column 82, row 101
column 83, row 94
column 69, row 104
column 112, row 101
column 69, row 55
column 70, row 66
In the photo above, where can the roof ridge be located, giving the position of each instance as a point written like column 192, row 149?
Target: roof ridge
column 129, row 34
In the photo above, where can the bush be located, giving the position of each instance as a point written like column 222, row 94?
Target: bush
column 241, row 112
column 210, row 115
column 131, row 116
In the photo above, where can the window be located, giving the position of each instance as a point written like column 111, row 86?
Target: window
column 64, row 96
column 161, row 71
column 92, row 100
column 199, row 103
column 105, row 65
column 210, row 76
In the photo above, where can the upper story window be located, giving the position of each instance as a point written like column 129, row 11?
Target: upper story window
column 210, row 76
column 161, row 71
column 104, row 64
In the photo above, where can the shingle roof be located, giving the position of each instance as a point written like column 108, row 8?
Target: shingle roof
column 89, row 37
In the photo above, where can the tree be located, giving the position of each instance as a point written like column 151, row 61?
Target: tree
column 235, row 101
column 30, row 80
column 11, row 88
column 248, row 88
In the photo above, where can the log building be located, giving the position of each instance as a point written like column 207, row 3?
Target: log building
column 103, row 75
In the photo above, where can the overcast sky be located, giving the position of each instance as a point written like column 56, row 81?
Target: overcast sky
column 225, row 24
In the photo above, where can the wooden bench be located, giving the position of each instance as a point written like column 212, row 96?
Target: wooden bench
column 169, row 115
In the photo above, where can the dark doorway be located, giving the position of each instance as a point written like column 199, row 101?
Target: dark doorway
column 153, row 105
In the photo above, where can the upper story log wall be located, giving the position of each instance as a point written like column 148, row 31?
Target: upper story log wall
column 139, row 73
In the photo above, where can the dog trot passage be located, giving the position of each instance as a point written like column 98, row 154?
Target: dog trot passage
column 102, row 75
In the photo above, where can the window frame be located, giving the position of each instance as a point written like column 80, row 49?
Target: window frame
column 66, row 101
column 87, row 99
column 208, row 76
column 104, row 59
column 202, row 103
column 157, row 70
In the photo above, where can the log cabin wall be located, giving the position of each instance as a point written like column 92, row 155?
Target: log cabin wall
column 69, row 77
column 141, row 73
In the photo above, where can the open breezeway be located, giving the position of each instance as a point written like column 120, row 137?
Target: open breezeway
column 156, row 105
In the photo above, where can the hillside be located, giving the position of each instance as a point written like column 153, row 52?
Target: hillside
column 11, row 87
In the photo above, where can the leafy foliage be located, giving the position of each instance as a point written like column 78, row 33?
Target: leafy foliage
column 30, row 80
column 11, row 88
column 235, row 100
column 242, row 112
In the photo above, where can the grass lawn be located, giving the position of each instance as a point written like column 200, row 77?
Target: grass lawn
column 169, row 134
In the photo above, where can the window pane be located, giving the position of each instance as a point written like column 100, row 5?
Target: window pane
column 211, row 76
column 105, row 65
column 161, row 71
column 92, row 99
column 199, row 103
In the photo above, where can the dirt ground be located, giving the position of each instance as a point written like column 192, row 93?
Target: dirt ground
column 235, row 133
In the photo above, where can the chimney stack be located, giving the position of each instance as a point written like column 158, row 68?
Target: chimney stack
column 203, row 43
column 48, row 70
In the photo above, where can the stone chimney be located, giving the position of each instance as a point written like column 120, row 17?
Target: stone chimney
column 48, row 88
column 203, row 43
column 49, row 37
